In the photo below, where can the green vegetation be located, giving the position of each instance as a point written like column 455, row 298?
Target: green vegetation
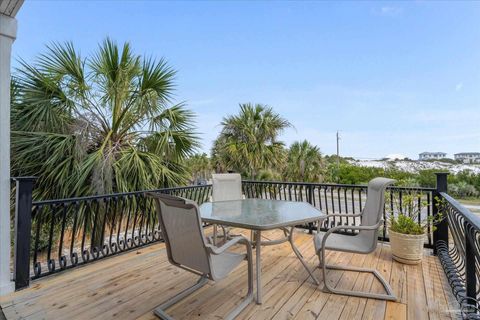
column 406, row 221
column 248, row 142
column 100, row 124
column 304, row 163
column 405, row 224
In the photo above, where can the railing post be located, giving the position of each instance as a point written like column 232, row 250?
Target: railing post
column 441, row 232
column 310, row 195
column 470, row 256
column 23, row 227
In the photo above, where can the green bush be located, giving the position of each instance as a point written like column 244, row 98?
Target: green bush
column 462, row 190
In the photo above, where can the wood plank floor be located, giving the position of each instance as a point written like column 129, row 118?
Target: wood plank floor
column 131, row 285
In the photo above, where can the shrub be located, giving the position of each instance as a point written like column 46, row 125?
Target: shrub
column 462, row 189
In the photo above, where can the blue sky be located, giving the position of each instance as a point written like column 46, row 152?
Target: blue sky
column 393, row 77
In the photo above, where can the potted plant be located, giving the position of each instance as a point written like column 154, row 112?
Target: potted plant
column 408, row 226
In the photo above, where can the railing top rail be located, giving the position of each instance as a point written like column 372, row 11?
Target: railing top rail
column 114, row 195
column 472, row 218
column 360, row 186
column 122, row 194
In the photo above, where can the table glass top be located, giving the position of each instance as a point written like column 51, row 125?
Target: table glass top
column 259, row 214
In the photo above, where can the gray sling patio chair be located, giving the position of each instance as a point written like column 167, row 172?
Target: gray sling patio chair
column 188, row 249
column 364, row 242
column 225, row 187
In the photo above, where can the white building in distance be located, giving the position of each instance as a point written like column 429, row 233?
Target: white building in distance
column 468, row 157
column 432, row 155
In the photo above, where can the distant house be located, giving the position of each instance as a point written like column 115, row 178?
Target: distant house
column 432, row 155
column 468, row 157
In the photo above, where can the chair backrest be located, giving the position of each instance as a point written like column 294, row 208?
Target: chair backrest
column 373, row 210
column 182, row 231
column 226, row 187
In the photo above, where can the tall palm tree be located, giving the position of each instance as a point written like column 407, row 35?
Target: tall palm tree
column 101, row 124
column 304, row 162
column 248, row 141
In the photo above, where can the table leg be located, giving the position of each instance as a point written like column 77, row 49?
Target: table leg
column 258, row 246
column 300, row 257
column 215, row 234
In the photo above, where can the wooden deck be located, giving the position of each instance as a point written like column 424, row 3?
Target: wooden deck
column 131, row 285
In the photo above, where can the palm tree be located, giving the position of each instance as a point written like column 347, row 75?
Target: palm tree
column 304, row 163
column 100, row 124
column 248, row 141
column 200, row 167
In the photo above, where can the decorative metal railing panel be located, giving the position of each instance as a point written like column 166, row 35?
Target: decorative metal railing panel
column 459, row 255
column 346, row 199
column 69, row 232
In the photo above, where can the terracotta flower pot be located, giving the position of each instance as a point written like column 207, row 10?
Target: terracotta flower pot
column 407, row 248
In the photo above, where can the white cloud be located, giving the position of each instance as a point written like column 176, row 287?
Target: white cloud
column 459, row 86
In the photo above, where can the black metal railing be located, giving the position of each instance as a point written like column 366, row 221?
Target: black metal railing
column 55, row 235
column 346, row 199
column 458, row 249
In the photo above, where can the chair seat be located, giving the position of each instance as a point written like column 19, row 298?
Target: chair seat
column 224, row 263
column 360, row 243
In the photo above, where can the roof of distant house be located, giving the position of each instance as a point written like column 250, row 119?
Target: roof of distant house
column 467, row 153
column 426, row 152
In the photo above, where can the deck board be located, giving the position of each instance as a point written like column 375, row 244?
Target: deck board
column 131, row 285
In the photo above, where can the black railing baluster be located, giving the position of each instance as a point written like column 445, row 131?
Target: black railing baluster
column 50, row 261
column 87, row 217
column 74, row 255
column 142, row 220
column 101, row 240
column 332, row 200
column 37, row 217
column 353, row 203
column 320, row 197
column 326, row 199
column 120, row 220
column 360, row 199
column 96, row 220
column 61, row 258
column 135, row 237
column 112, row 226
column 126, row 238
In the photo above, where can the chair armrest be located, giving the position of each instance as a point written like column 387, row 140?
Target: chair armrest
column 343, row 215
column 238, row 239
column 331, row 230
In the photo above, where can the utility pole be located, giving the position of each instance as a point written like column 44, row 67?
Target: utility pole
column 338, row 154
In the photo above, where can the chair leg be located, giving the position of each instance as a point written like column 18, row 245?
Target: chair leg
column 327, row 288
column 249, row 297
column 160, row 310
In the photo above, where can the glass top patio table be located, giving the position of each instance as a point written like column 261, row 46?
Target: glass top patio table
column 259, row 214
